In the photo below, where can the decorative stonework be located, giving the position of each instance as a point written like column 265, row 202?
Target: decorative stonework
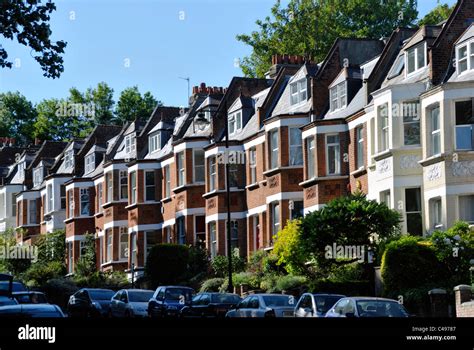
column 273, row 182
column 465, row 168
column 384, row 166
column 410, row 161
column 310, row 193
column 434, row 172
column 211, row 203
column 180, row 203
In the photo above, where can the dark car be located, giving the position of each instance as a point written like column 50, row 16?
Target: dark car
column 169, row 300
column 30, row 297
column 89, row 302
column 6, row 287
column 31, row 311
column 367, row 307
column 210, row 305
column 316, row 305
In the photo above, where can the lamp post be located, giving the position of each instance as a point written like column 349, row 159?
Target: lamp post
column 201, row 123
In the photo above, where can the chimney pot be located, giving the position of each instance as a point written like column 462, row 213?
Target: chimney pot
column 195, row 89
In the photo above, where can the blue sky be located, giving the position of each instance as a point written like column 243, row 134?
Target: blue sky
column 148, row 43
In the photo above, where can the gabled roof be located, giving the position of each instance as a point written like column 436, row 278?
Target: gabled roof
column 468, row 34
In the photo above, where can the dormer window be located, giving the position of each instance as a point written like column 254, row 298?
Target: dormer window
column 416, row 58
column 235, row 122
column 338, row 95
column 69, row 159
column 465, row 57
column 154, row 141
column 90, row 163
column 130, row 143
column 21, row 170
column 298, row 92
column 38, row 176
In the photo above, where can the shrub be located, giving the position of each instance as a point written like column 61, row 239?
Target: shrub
column 220, row 264
column 344, row 273
column 256, row 261
column 248, row 278
column 39, row 274
column 269, row 282
column 349, row 288
column 290, row 283
column 212, row 285
column 271, row 266
column 167, row 264
column 58, row 290
column 410, row 263
column 289, row 249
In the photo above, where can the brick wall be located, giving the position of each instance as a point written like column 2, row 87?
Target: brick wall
column 464, row 301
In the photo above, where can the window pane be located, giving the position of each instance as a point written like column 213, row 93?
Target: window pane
column 413, row 199
column 466, row 208
column 296, row 150
column 421, row 56
column 311, row 154
column 411, row 60
column 462, row 57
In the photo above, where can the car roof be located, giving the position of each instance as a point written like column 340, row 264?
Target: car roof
column 30, row 307
column 270, row 295
column 370, row 298
column 326, row 295
column 137, row 290
column 174, row 287
column 97, row 289
column 25, row 292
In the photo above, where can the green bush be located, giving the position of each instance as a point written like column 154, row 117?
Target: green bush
column 248, row 278
column 344, row 273
column 271, row 265
column 220, row 264
column 289, row 248
column 256, row 262
column 39, row 274
column 269, row 282
column 58, row 291
column 109, row 280
column 290, row 283
column 410, row 263
column 167, row 264
column 212, row 285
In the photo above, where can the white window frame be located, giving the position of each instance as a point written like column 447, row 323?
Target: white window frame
column 89, row 163
column 154, row 140
column 384, row 129
column 415, row 120
column 295, row 147
column 459, row 206
column 469, row 45
column 133, row 187
column 360, row 159
column 416, row 49
column 69, row 159
column 38, row 174
column 50, row 197
column 180, row 168
column 311, row 155
column 276, row 219
column 123, row 253
column 437, row 213
column 32, row 212
column 298, row 92
column 253, row 164
column 71, row 203
column 130, row 143
column 274, row 149
column 109, row 254
column 212, row 173
column 109, row 186
column 337, row 147
column 386, row 197
column 471, row 126
column 201, row 166
column 123, row 176
column 235, row 122
column 338, row 96
column 167, row 181
column 213, row 241
column 100, row 197
column 435, row 133
column 149, row 186
column 84, row 192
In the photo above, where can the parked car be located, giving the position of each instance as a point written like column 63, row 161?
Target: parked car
column 315, row 305
column 264, row 305
column 89, row 302
column 16, row 286
column 130, row 303
column 169, row 300
column 30, row 297
column 210, row 305
column 367, row 307
column 6, row 287
column 31, row 311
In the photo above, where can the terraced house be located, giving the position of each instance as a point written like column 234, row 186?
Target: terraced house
column 392, row 118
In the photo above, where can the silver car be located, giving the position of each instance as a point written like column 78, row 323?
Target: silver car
column 130, row 303
column 315, row 305
column 264, row 305
column 367, row 307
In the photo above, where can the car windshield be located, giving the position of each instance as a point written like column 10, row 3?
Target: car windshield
column 277, row 300
column 140, row 297
column 101, row 294
column 380, row 308
column 325, row 302
column 17, row 286
column 31, row 298
column 225, row 299
column 176, row 294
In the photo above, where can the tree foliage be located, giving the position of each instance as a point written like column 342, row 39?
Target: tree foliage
column 132, row 105
column 347, row 221
column 27, row 22
column 289, row 248
column 310, row 27
column 17, row 117
column 437, row 15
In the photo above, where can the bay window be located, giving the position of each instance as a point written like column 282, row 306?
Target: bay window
column 360, row 147
column 384, row 128
column 199, row 165
column 435, row 131
column 167, row 181
column 411, row 124
column 85, row 205
column 133, row 187
column 253, row 165
column 212, row 173
column 333, row 156
column 181, row 169
column 150, row 188
column 123, row 180
column 311, row 153
column 274, row 149
column 296, row 148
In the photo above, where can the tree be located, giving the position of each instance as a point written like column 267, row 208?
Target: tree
column 27, row 22
column 132, row 105
column 86, row 265
column 289, row 249
column 310, row 27
column 102, row 99
column 437, row 15
column 17, row 117
column 347, row 222
column 49, row 124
